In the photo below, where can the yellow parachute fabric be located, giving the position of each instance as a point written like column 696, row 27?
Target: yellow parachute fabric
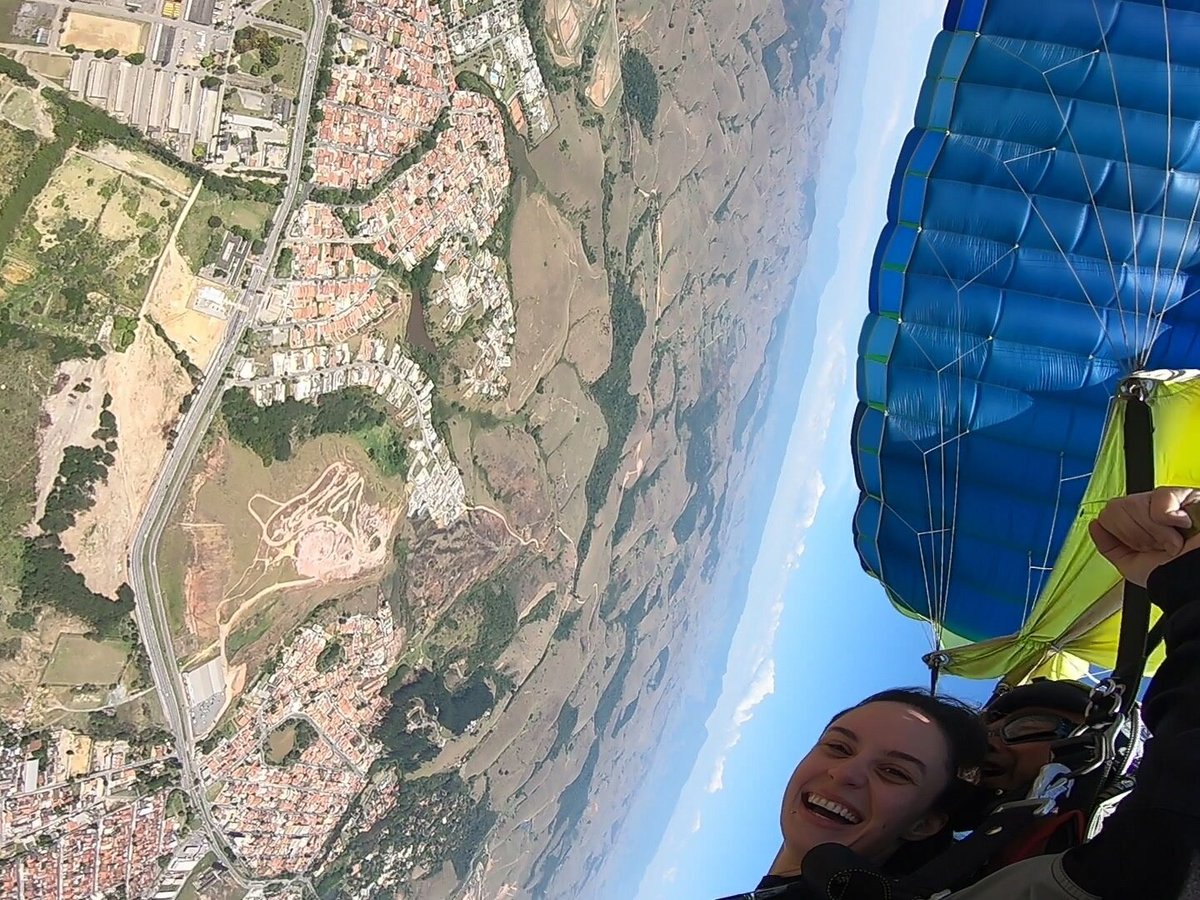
column 1076, row 619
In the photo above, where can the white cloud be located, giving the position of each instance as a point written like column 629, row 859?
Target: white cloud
column 716, row 781
column 762, row 686
column 670, row 875
column 696, row 823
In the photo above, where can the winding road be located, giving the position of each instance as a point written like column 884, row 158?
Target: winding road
column 151, row 614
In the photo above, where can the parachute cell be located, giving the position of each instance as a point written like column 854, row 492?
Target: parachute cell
column 1042, row 246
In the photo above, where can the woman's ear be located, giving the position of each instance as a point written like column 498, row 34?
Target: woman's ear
column 926, row 827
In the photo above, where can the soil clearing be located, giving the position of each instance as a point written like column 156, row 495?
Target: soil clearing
column 194, row 333
column 90, row 32
column 147, row 386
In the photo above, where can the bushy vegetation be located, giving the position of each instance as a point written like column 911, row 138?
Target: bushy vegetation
column 331, row 657
column 556, row 77
column 251, row 39
column 47, row 580
column 74, row 486
column 16, row 72
column 437, row 815
column 640, row 97
column 303, row 737
column 611, row 393
column 273, row 431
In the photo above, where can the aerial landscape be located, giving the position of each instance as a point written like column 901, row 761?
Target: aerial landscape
column 382, row 384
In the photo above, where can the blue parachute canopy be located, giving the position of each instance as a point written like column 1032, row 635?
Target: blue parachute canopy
column 1042, row 243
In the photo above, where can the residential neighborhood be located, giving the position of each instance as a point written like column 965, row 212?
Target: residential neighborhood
column 385, row 96
column 87, row 815
column 492, row 39
column 281, row 805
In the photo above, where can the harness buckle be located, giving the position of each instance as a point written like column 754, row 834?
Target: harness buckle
column 1104, row 701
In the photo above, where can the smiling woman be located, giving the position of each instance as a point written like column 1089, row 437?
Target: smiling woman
column 885, row 779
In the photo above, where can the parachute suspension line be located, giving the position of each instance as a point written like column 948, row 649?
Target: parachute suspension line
column 1135, row 606
column 1157, row 319
column 1133, row 234
column 937, row 588
column 1112, row 269
column 1143, row 352
column 1031, row 596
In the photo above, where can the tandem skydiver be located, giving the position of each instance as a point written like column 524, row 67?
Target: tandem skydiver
column 1148, row 848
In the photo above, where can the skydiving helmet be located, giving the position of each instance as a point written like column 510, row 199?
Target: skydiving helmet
column 1092, row 766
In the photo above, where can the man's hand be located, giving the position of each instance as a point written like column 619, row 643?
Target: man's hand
column 1139, row 533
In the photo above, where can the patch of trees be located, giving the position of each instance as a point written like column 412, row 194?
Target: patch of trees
column 136, row 59
column 249, row 38
column 640, row 96
column 496, row 607
column 59, row 348
column 557, row 77
column 454, row 711
column 74, row 486
column 698, row 465
column 417, row 817
column 283, row 263
column 271, row 431
column 331, row 657
column 36, row 171
column 567, row 623
column 48, row 580
column 611, row 393
column 564, row 728
column 303, row 737
column 407, row 161
column 16, row 71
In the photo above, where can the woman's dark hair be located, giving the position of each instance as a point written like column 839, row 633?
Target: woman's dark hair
column 967, row 741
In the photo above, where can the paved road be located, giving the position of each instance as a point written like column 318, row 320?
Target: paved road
column 143, row 556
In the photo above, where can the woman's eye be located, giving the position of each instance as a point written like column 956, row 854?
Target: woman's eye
column 897, row 774
column 838, row 748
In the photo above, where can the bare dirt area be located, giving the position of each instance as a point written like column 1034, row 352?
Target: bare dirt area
column 265, row 546
column 139, row 165
column 194, row 333
column 52, row 65
column 69, row 416
column 93, row 32
column 147, row 386
column 606, row 70
column 25, row 108
column 564, row 31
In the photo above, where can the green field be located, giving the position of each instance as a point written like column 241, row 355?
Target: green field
column 196, row 236
column 290, row 67
column 297, row 13
column 16, row 146
column 174, row 550
column 27, row 374
column 85, row 248
column 80, row 660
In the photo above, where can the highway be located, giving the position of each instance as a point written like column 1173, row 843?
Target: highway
column 151, row 614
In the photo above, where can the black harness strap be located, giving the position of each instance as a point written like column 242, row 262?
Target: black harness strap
column 1135, row 607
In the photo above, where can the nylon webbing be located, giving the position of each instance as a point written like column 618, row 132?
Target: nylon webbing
column 1135, row 607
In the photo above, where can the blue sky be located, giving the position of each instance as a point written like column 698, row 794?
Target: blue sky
column 817, row 634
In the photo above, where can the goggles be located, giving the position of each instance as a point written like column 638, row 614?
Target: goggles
column 1028, row 728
